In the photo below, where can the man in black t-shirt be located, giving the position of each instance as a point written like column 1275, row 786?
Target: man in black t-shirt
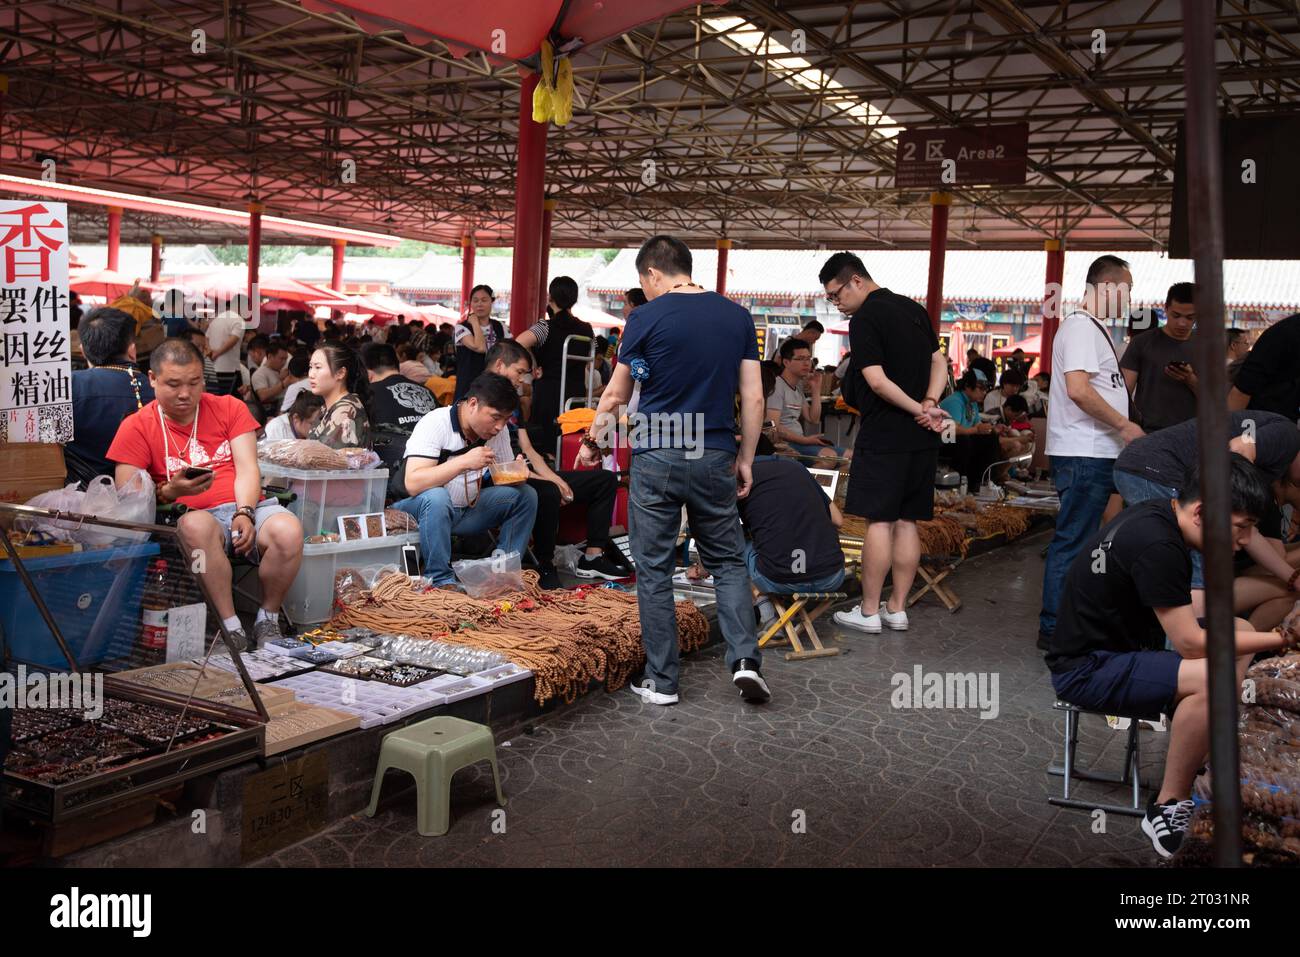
column 1126, row 592
column 891, row 483
column 1269, row 378
column 792, row 524
column 396, row 404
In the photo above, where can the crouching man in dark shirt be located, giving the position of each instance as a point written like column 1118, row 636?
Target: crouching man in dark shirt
column 1127, row 591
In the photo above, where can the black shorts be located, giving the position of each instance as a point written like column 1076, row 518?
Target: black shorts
column 892, row 486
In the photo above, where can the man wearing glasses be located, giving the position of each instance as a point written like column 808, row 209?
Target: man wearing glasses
column 793, row 410
column 891, row 483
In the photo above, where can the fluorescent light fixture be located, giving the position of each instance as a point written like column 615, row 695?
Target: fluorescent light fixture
column 738, row 33
column 169, row 207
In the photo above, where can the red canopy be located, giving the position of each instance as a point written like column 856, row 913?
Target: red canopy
column 1033, row 346
column 511, row 29
column 102, row 282
column 235, row 281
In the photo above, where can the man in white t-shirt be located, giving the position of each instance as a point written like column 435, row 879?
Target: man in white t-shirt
column 225, row 333
column 1087, row 423
column 444, row 472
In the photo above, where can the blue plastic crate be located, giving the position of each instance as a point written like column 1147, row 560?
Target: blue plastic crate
column 93, row 595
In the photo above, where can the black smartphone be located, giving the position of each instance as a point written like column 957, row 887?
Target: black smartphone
column 196, row 472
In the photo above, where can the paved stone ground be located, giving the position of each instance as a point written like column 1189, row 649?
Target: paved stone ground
column 712, row 781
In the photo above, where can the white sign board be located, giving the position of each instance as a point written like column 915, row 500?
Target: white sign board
column 35, row 364
column 185, row 626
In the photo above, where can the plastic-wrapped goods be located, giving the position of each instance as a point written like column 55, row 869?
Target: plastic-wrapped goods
column 1275, row 794
column 302, row 454
column 500, row 574
column 437, row 654
column 134, row 501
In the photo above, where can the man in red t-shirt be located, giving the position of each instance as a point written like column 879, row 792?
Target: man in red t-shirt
column 213, row 439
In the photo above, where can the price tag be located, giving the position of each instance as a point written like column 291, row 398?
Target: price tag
column 185, row 627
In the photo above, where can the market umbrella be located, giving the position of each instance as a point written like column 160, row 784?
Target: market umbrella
column 594, row 317
column 1033, row 346
column 505, row 29
column 102, row 282
column 226, row 283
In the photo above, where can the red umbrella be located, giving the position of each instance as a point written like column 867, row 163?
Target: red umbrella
column 1033, row 346
column 509, row 29
column 101, row 282
column 956, row 349
column 235, row 281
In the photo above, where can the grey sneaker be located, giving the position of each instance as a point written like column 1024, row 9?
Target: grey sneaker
column 268, row 629
column 239, row 639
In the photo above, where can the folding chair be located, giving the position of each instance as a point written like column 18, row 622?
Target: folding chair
column 787, row 606
column 934, row 570
column 1069, row 773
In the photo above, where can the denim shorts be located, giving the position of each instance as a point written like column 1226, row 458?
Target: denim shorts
column 812, row 451
column 225, row 514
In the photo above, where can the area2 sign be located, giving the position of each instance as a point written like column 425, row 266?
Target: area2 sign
column 979, row 155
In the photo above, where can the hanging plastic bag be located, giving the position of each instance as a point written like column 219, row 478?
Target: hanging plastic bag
column 135, row 501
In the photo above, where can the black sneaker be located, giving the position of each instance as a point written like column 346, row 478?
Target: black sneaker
column 1166, row 825
column 550, row 578
column 746, row 676
column 598, row 567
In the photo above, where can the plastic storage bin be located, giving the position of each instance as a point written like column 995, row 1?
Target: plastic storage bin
column 310, row 600
column 94, row 597
column 325, row 494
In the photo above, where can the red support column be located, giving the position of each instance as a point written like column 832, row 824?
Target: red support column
column 940, row 203
column 336, row 272
column 530, row 179
column 1053, row 297
column 724, row 248
column 114, row 235
column 466, row 270
column 4, row 92
column 548, row 213
column 254, row 260
column 155, row 259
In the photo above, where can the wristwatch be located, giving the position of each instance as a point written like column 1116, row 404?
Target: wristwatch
column 247, row 511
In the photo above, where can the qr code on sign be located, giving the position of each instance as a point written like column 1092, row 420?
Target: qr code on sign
column 51, row 424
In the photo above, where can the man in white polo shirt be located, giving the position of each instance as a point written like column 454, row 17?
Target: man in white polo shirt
column 1087, row 423
column 444, row 472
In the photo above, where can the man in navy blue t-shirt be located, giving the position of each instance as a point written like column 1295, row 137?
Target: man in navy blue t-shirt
column 690, row 350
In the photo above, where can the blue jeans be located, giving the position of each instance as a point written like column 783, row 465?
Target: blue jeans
column 663, row 480
column 1135, row 489
column 511, row 507
column 1085, row 486
column 812, row 451
column 768, row 587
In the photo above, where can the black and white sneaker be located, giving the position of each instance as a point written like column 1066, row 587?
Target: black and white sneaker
column 1166, row 825
column 548, row 578
column 598, row 567
column 746, row 676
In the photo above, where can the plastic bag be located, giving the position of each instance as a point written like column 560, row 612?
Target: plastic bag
column 305, row 454
column 566, row 557
column 499, row 574
column 136, row 501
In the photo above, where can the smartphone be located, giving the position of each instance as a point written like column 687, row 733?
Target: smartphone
column 411, row 561
column 196, row 472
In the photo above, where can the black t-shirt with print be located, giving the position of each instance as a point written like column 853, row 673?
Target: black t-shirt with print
column 893, row 332
column 397, row 403
column 1109, row 599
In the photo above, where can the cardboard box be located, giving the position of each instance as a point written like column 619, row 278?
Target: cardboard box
column 27, row 469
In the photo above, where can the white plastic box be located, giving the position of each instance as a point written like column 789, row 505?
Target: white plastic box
column 325, row 494
column 310, row 600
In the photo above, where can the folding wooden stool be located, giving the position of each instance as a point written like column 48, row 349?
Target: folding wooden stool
column 933, row 572
column 787, row 607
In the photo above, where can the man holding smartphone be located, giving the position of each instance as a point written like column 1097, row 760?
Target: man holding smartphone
column 201, row 451
column 1157, row 364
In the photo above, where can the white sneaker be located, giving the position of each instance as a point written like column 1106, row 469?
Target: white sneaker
column 648, row 693
column 853, row 618
column 896, row 621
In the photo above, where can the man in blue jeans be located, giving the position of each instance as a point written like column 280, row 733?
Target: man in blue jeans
column 690, row 350
column 445, row 472
column 1087, row 424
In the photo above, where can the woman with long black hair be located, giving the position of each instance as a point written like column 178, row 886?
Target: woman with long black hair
column 335, row 374
column 546, row 340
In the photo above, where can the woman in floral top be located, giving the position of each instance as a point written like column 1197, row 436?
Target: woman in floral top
column 335, row 375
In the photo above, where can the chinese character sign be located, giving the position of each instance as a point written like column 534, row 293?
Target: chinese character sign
column 35, row 366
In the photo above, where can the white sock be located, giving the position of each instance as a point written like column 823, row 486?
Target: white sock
column 264, row 615
column 232, row 623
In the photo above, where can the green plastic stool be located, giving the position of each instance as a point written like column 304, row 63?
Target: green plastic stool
column 431, row 752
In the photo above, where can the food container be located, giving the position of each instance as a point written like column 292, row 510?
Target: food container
column 509, row 473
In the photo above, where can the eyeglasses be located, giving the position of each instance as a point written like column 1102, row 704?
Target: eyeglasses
column 833, row 296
